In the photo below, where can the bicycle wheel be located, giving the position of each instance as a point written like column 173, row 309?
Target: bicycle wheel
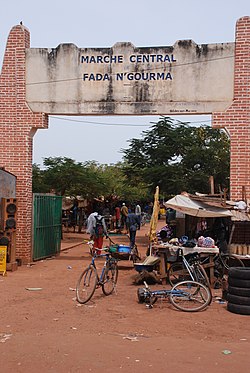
column 110, row 277
column 231, row 260
column 221, row 265
column 86, row 285
column 190, row 296
column 177, row 273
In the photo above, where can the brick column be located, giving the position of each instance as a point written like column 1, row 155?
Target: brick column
column 236, row 119
column 18, row 126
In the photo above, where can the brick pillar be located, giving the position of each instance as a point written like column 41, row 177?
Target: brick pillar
column 18, row 126
column 236, row 119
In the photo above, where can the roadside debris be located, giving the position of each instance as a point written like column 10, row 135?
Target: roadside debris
column 132, row 339
column 4, row 337
column 220, row 300
column 226, row 352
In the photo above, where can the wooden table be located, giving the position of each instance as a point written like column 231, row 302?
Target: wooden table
column 168, row 254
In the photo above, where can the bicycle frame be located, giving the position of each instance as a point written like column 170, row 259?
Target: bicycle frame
column 108, row 258
column 189, row 296
column 164, row 293
column 189, row 267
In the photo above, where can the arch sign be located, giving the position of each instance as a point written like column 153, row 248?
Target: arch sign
column 185, row 78
column 125, row 80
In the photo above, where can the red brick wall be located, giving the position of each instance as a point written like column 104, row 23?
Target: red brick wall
column 18, row 124
column 237, row 117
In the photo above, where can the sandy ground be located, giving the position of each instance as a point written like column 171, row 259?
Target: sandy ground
column 46, row 330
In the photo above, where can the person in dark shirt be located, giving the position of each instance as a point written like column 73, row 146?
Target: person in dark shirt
column 220, row 229
column 133, row 223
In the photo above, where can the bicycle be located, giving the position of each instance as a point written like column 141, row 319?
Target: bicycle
column 189, row 268
column 222, row 262
column 89, row 279
column 188, row 296
column 145, row 218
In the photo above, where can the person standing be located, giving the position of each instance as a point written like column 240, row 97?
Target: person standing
column 117, row 217
column 133, row 224
column 220, row 229
column 138, row 212
column 124, row 214
column 97, row 229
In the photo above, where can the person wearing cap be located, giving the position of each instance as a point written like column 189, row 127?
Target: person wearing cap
column 124, row 214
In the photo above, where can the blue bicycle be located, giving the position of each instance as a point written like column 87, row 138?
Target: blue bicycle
column 89, row 279
column 188, row 296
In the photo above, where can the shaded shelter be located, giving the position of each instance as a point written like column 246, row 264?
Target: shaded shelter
column 191, row 207
column 205, row 208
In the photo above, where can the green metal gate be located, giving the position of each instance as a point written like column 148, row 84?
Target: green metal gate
column 47, row 225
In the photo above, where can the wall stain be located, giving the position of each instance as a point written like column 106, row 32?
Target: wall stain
column 185, row 43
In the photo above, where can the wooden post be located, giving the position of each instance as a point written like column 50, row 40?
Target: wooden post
column 211, row 183
column 244, row 195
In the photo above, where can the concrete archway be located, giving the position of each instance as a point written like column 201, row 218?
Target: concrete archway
column 20, row 118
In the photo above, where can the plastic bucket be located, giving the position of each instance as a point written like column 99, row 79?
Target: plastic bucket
column 124, row 249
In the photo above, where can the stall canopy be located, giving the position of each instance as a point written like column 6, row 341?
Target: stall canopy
column 196, row 208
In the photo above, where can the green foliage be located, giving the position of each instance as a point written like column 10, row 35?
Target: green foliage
column 38, row 184
column 176, row 157
column 172, row 155
column 89, row 180
column 63, row 175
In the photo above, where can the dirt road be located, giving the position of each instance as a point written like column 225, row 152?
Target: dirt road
column 46, row 330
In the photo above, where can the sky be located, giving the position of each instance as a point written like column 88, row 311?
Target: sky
column 102, row 23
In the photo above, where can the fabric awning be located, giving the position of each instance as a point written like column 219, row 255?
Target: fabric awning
column 196, row 208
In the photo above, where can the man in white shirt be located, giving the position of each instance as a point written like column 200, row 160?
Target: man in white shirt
column 92, row 225
column 138, row 212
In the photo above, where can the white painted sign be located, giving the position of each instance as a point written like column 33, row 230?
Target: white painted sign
column 182, row 79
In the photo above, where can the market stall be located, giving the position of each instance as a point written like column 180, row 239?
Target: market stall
column 167, row 251
column 206, row 211
column 202, row 213
column 168, row 254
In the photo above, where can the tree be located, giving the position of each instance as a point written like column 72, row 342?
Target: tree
column 63, row 175
column 38, row 184
column 118, row 186
column 176, row 157
column 89, row 180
